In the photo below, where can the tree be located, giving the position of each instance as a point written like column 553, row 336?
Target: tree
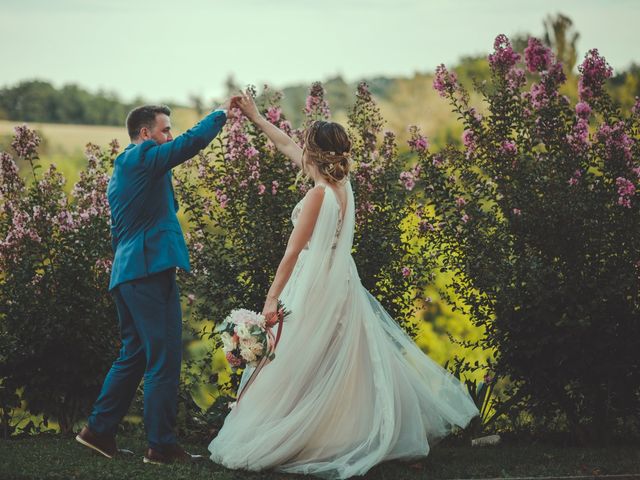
column 560, row 37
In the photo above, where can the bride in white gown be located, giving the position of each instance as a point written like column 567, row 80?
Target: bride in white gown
column 348, row 388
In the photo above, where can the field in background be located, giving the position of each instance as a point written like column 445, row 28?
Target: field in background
column 67, row 139
column 64, row 144
column 410, row 101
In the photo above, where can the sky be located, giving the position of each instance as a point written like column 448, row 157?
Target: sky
column 168, row 50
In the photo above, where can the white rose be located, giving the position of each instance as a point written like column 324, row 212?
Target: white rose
column 260, row 320
column 243, row 331
column 227, row 342
column 247, row 354
column 242, row 315
column 253, row 344
column 257, row 348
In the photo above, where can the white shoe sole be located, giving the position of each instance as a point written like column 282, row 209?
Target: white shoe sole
column 153, row 462
column 92, row 447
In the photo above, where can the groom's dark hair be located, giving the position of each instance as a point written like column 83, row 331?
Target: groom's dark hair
column 144, row 116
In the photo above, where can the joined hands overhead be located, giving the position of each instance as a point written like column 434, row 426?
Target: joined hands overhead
column 247, row 105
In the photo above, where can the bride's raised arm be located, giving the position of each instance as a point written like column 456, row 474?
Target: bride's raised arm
column 281, row 140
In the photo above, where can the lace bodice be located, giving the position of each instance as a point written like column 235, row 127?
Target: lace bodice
column 296, row 212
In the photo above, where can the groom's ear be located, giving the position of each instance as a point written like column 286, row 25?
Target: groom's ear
column 144, row 134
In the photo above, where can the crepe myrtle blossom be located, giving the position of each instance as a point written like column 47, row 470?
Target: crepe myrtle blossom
column 409, row 178
column 509, row 147
column 503, row 57
column 616, row 140
column 516, row 78
column 445, row 82
column 425, row 226
column 114, row 147
column 274, row 114
column 316, row 105
column 238, row 145
column 594, row 72
column 475, row 114
column 583, row 110
column 579, row 137
column 438, row 160
column 537, row 56
column 388, row 146
column 575, row 178
column 25, row 142
column 469, row 141
column 626, row 190
column 10, row 182
column 222, row 197
column 418, row 142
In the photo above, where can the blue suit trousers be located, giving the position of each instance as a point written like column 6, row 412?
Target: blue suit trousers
column 150, row 322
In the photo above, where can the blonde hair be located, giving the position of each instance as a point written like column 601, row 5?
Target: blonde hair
column 328, row 146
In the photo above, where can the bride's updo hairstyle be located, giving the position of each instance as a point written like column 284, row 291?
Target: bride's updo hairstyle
column 327, row 145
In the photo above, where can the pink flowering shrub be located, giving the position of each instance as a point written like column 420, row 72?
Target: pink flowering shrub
column 390, row 256
column 536, row 212
column 56, row 317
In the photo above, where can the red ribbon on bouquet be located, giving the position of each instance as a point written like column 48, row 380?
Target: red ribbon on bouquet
column 269, row 324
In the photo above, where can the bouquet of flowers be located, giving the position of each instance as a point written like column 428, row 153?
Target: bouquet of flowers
column 247, row 337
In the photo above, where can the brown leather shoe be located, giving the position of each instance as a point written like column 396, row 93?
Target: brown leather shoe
column 172, row 454
column 103, row 444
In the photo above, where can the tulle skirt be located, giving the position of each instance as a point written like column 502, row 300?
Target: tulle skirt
column 348, row 389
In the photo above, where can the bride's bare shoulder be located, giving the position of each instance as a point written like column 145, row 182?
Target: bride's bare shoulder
column 314, row 197
column 316, row 194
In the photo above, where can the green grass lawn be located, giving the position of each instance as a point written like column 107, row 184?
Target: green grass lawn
column 57, row 457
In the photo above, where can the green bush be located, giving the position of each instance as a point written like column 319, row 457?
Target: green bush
column 58, row 333
column 537, row 217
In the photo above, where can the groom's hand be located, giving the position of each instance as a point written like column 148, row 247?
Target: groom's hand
column 228, row 103
column 235, row 101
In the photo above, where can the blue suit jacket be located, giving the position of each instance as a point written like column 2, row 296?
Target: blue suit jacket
column 145, row 232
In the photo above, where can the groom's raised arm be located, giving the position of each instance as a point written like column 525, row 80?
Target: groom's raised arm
column 159, row 159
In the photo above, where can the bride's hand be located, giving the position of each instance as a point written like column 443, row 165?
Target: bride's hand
column 270, row 309
column 248, row 106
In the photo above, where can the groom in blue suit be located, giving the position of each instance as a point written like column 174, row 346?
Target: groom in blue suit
column 148, row 246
